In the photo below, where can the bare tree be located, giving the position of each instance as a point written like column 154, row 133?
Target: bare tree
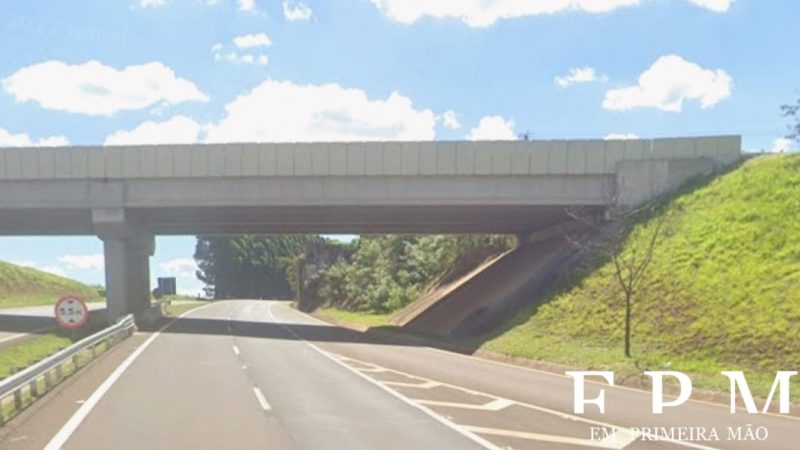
column 609, row 237
column 630, row 267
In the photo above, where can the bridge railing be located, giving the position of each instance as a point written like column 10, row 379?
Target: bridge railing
column 24, row 387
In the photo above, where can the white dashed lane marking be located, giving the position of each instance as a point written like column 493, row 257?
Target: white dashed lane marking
column 262, row 401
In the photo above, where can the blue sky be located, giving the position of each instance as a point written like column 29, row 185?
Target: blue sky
column 147, row 71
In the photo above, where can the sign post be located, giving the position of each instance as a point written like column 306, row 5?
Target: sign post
column 71, row 312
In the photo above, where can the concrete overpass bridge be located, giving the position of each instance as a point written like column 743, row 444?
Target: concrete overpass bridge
column 126, row 195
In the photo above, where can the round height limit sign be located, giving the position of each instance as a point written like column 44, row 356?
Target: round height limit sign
column 71, row 312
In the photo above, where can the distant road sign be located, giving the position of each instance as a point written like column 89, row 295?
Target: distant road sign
column 71, row 312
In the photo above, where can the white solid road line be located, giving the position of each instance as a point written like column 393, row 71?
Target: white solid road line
column 534, row 370
column 425, row 385
column 620, row 429
column 262, row 401
column 494, row 405
column 72, row 424
column 625, row 430
column 444, row 421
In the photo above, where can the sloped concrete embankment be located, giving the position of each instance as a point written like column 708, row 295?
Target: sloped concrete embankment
column 489, row 295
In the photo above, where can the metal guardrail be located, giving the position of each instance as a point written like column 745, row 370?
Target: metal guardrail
column 51, row 369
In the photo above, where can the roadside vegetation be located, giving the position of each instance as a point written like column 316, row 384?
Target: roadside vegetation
column 375, row 276
column 722, row 291
column 23, row 286
column 248, row 266
column 25, row 352
column 366, row 319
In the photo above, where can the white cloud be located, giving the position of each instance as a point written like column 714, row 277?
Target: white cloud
column 493, row 128
column 243, row 58
column 83, row 262
column 246, row 5
column 578, row 76
column 184, row 267
column 96, row 89
column 669, row 82
column 8, row 139
column 484, row 13
column 713, row 5
column 26, row 263
column 252, row 40
column 176, row 130
column 294, row 11
column 281, row 111
column 53, row 141
column 620, row 136
column 450, row 120
column 152, row 3
column 55, row 270
column 246, row 41
column 781, row 145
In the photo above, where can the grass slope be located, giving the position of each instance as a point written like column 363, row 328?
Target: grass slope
column 22, row 286
column 722, row 291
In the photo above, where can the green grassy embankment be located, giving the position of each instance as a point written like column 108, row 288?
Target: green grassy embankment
column 722, row 291
column 22, row 286
column 24, row 353
column 354, row 317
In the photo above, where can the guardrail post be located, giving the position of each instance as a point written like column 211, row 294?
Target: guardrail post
column 48, row 381
column 75, row 362
column 34, row 387
column 59, row 372
column 18, row 399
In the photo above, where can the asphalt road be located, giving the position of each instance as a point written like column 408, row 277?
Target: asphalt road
column 256, row 375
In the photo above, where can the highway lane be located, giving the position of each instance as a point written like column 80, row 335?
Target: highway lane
column 250, row 374
column 532, row 391
column 210, row 382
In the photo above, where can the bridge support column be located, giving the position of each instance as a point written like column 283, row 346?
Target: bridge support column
column 127, row 250
column 127, row 274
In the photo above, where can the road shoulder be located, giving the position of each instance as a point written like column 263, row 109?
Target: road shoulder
column 32, row 430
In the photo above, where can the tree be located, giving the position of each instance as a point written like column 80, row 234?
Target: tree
column 630, row 266
column 793, row 113
column 612, row 238
column 247, row 266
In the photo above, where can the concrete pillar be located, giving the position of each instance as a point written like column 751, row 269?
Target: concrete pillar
column 127, row 248
column 127, row 274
